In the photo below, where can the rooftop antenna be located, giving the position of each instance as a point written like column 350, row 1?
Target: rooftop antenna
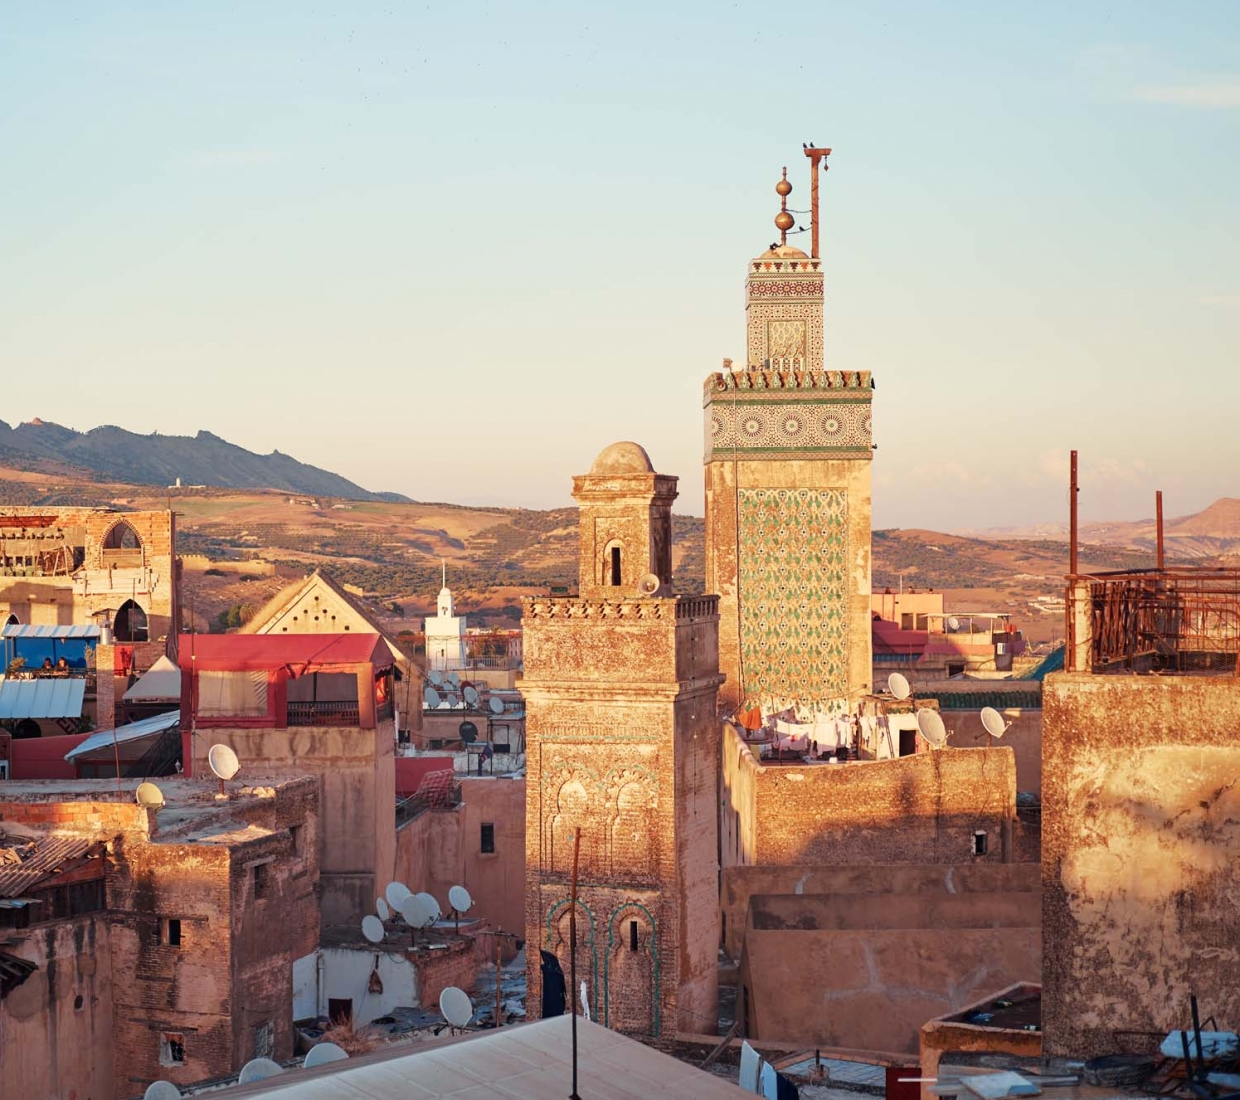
column 224, row 763
column 258, row 1069
column 1162, row 557
column 461, row 902
column 372, row 928
column 323, row 1053
column 161, row 1090
column 456, row 1007
column 1074, row 489
column 150, row 797
column 993, row 722
column 817, row 158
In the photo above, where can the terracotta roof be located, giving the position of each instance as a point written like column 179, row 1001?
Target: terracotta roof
column 45, row 859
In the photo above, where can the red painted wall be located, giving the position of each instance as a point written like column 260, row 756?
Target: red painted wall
column 411, row 769
column 43, row 757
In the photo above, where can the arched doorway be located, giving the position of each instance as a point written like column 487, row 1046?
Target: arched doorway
column 122, row 548
column 131, row 623
column 26, row 728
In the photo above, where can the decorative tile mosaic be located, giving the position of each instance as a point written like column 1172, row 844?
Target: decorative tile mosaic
column 776, row 427
column 794, row 593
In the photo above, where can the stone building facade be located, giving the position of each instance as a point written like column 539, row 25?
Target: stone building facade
column 788, row 456
column 623, row 744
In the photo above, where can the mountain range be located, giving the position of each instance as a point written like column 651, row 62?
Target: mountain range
column 111, row 453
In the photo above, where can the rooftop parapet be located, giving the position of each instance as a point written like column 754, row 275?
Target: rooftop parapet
column 786, row 375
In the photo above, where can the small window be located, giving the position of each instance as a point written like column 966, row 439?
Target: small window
column 632, row 935
column 488, row 836
column 77, row 1003
column 295, row 834
column 174, row 933
column 615, row 567
column 261, row 879
column 265, row 1039
column 979, row 843
column 171, row 1048
column 340, row 1011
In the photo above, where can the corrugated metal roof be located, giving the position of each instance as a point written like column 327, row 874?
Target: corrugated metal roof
column 44, row 697
column 147, row 727
column 13, row 971
column 22, row 630
column 49, row 858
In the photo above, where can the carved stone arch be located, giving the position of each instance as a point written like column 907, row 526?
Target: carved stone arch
column 631, row 973
column 557, row 942
column 632, row 808
column 613, row 564
column 131, row 623
column 122, row 536
column 571, row 794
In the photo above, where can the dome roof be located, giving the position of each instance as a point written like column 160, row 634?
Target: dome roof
column 623, row 458
column 784, row 252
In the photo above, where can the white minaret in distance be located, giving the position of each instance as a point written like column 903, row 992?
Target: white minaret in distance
column 445, row 632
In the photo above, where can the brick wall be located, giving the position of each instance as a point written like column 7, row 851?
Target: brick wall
column 99, row 820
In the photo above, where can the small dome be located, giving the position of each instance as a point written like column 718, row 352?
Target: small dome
column 623, row 458
column 783, row 252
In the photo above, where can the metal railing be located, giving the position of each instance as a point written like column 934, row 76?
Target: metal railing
column 324, row 713
column 445, row 798
column 1185, row 620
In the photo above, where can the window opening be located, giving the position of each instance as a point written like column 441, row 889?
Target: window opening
column 174, row 933
column 979, row 843
column 488, row 836
column 131, row 623
column 615, row 567
column 632, row 935
column 171, row 1048
column 340, row 1010
column 260, row 880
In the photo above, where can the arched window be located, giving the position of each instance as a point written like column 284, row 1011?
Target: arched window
column 122, row 547
column 131, row 625
column 12, row 620
column 612, row 565
column 26, row 728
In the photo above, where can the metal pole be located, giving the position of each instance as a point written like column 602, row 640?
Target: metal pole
column 498, row 998
column 1072, row 493
column 1162, row 559
column 572, row 956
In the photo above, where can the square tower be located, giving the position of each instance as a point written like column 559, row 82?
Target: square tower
column 622, row 743
column 788, row 459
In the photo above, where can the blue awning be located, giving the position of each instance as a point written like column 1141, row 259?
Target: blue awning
column 46, row 697
column 69, row 630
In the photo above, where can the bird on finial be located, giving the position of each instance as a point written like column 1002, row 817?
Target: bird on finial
column 783, row 220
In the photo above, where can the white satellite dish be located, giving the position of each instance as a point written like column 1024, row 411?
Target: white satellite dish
column 456, row 1006
column 416, row 912
column 454, row 680
column 161, row 1090
column 471, row 695
column 953, row 624
column 258, row 1069
column 152, row 798
column 322, row 1053
column 930, row 725
column 496, row 704
column 435, row 677
column 994, row 723
column 381, row 907
column 396, row 892
column 431, row 698
column 372, row 928
column 649, row 584
column 897, row 684
column 223, row 761
column 430, row 906
column 459, row 899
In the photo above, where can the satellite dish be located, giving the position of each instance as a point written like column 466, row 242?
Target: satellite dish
column 454, row 680
column 930, row 725
column 161, row 1090
column 418, row 912
column 152, row 798
column 456, row 1006
column 953, row 624
column 471, row 695
column 372, row 928
column 459, row 899
column 897, row 684
column 258, row 1069
column 468, row 732
column 431, row 906
column 649, row 584
column 223, row 761
column 496, row 704
column 396, row 892
column 431, row 698
column 322, row 1053
column 435, row 677
column 381, row 907
column 993, row 721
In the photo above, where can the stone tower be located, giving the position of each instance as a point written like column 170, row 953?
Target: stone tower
column 788, row 453
column 622, row 742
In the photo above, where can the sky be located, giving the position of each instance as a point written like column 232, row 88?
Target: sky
column 455, row 249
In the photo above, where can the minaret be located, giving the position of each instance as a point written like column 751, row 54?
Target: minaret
column 622, row 742
column 445, row 632
column 788, row 454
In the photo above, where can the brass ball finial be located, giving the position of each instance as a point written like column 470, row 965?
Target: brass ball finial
column 783, row 187
column 783, row 220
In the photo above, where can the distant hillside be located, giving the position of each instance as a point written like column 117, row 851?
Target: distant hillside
column 107, row 453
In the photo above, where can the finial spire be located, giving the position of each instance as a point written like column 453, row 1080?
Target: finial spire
column 444, row 566
column 783, row 220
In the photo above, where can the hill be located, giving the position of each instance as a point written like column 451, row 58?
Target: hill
column 112, row 453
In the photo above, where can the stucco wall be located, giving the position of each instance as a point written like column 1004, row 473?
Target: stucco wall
column 1140, row 855
column 51, row 1043
column 1023, row 737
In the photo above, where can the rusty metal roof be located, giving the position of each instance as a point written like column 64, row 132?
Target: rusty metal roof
column 48, row 858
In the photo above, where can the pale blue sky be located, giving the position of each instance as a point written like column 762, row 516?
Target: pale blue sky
column 455, row 249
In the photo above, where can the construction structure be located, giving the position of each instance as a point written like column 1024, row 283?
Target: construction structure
column 623, row 745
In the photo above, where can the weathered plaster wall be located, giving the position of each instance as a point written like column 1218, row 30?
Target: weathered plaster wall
column 1023, row 737
column 1140, row 854
column 915, row 809
column 56, row 1027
